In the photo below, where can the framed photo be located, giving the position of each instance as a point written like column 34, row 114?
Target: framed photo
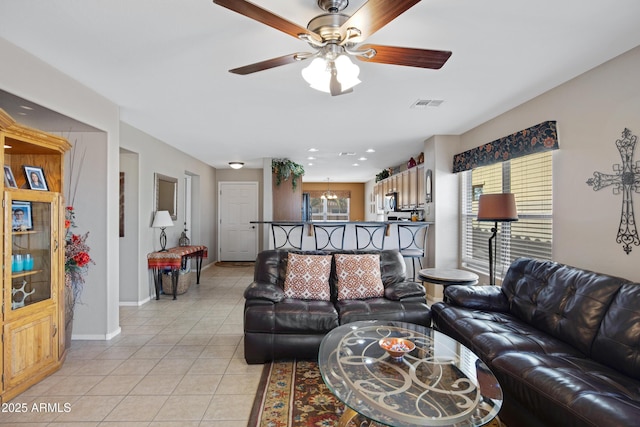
column 21, row 218
column 9, row 180
column 35, row 178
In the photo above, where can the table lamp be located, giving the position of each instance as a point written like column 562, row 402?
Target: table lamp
column 496, row 207
column 162, row 220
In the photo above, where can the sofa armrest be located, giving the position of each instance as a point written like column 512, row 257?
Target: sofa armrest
column 489, row 298
column 264, row 291
column 403, row 290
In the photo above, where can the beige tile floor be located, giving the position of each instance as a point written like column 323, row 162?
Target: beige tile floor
column 176, row 363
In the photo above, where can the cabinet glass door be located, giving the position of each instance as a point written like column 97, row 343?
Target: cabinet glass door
column 29, row 253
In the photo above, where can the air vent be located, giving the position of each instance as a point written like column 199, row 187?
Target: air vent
column 424, row 103
column 347, row 153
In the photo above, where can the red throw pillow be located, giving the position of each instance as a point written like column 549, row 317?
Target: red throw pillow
column 308, row 277
column 358, row 276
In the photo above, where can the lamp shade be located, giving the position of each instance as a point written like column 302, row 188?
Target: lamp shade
column 318, row 73
column 497, row 207
column 162, row 220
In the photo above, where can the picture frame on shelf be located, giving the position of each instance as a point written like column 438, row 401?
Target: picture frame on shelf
column 9, row 179
column 35, row 178
column 21, row 216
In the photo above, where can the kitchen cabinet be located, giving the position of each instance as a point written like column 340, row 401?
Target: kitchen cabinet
column 379, row 191
column 405, row 190
column 410, row 186
column 33, row 296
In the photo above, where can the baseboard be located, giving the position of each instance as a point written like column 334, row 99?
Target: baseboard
column 98, row 337
column 134, row 303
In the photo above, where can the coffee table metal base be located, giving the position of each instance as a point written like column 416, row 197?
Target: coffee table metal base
column 347, row 416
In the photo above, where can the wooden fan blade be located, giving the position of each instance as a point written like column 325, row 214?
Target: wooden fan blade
column 271, row 63
column 374, row 15
column 421, row 58
column 259, row 14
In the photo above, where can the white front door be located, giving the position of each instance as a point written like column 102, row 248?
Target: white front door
column 238, row 205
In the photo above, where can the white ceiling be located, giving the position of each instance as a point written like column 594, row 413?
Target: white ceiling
column 165, row 62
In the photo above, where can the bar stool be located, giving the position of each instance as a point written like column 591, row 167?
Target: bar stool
column 368, row 236
column 329, row 236
column 412, row 239
column 290, row 235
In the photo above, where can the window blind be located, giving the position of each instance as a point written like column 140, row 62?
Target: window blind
column 530, row 179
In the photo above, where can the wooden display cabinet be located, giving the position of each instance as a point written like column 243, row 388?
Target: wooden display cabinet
column 33, row 296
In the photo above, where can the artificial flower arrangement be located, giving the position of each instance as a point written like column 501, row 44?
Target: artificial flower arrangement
column 76, row 255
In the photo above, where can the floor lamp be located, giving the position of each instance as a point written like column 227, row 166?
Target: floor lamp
column 496, row 207
column 162, row 220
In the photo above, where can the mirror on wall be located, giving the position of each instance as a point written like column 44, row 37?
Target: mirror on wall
column 167, row 194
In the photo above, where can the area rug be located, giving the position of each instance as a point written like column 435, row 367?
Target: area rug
column 293, row 394
column 234, row 264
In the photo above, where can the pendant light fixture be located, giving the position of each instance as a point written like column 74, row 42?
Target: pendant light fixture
column 328, row 194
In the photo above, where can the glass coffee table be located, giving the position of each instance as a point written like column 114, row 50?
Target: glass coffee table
column 439, row 383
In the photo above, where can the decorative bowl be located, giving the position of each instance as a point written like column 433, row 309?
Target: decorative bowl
column 396, row 347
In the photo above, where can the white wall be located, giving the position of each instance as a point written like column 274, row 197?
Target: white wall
column 28, row 77
column 443, row 248
column 592, row 110
column 132, row 289
column 157, row 157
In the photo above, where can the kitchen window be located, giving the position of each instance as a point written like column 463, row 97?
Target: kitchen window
column 323, row 209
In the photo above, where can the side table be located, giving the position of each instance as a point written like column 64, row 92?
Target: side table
column 448, row 276
column 174, row 259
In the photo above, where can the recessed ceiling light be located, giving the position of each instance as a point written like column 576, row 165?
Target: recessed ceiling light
column 355, row 164
column 362, row 159
column 371, row 150
column 309, row 164
column 311, row 158
column 236, row 165
column 313, row 150
column 26, row 107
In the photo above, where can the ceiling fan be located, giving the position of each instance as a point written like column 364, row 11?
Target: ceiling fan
column 335, row 37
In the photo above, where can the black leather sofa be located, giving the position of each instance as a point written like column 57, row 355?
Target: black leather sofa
column 563, row 342
column 277, row 328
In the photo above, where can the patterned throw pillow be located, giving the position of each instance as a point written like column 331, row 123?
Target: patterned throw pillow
column 358, row 276
column 308, row 277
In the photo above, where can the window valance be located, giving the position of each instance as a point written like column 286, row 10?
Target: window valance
column 538, row 138
column 342, row 194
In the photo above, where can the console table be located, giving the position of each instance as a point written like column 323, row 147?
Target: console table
column 174, row 259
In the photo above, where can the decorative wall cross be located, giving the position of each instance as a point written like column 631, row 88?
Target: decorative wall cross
column 626, row 180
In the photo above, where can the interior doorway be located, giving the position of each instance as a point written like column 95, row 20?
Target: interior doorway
column 237, row 237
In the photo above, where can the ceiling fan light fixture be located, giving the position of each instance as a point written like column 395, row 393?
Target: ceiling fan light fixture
column 318, row 73
column 236, row 165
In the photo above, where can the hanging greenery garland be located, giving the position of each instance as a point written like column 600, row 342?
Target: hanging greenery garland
column 285, row 169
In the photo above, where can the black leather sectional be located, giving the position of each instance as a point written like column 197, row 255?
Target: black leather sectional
column 278, row 328
column 563, row 342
